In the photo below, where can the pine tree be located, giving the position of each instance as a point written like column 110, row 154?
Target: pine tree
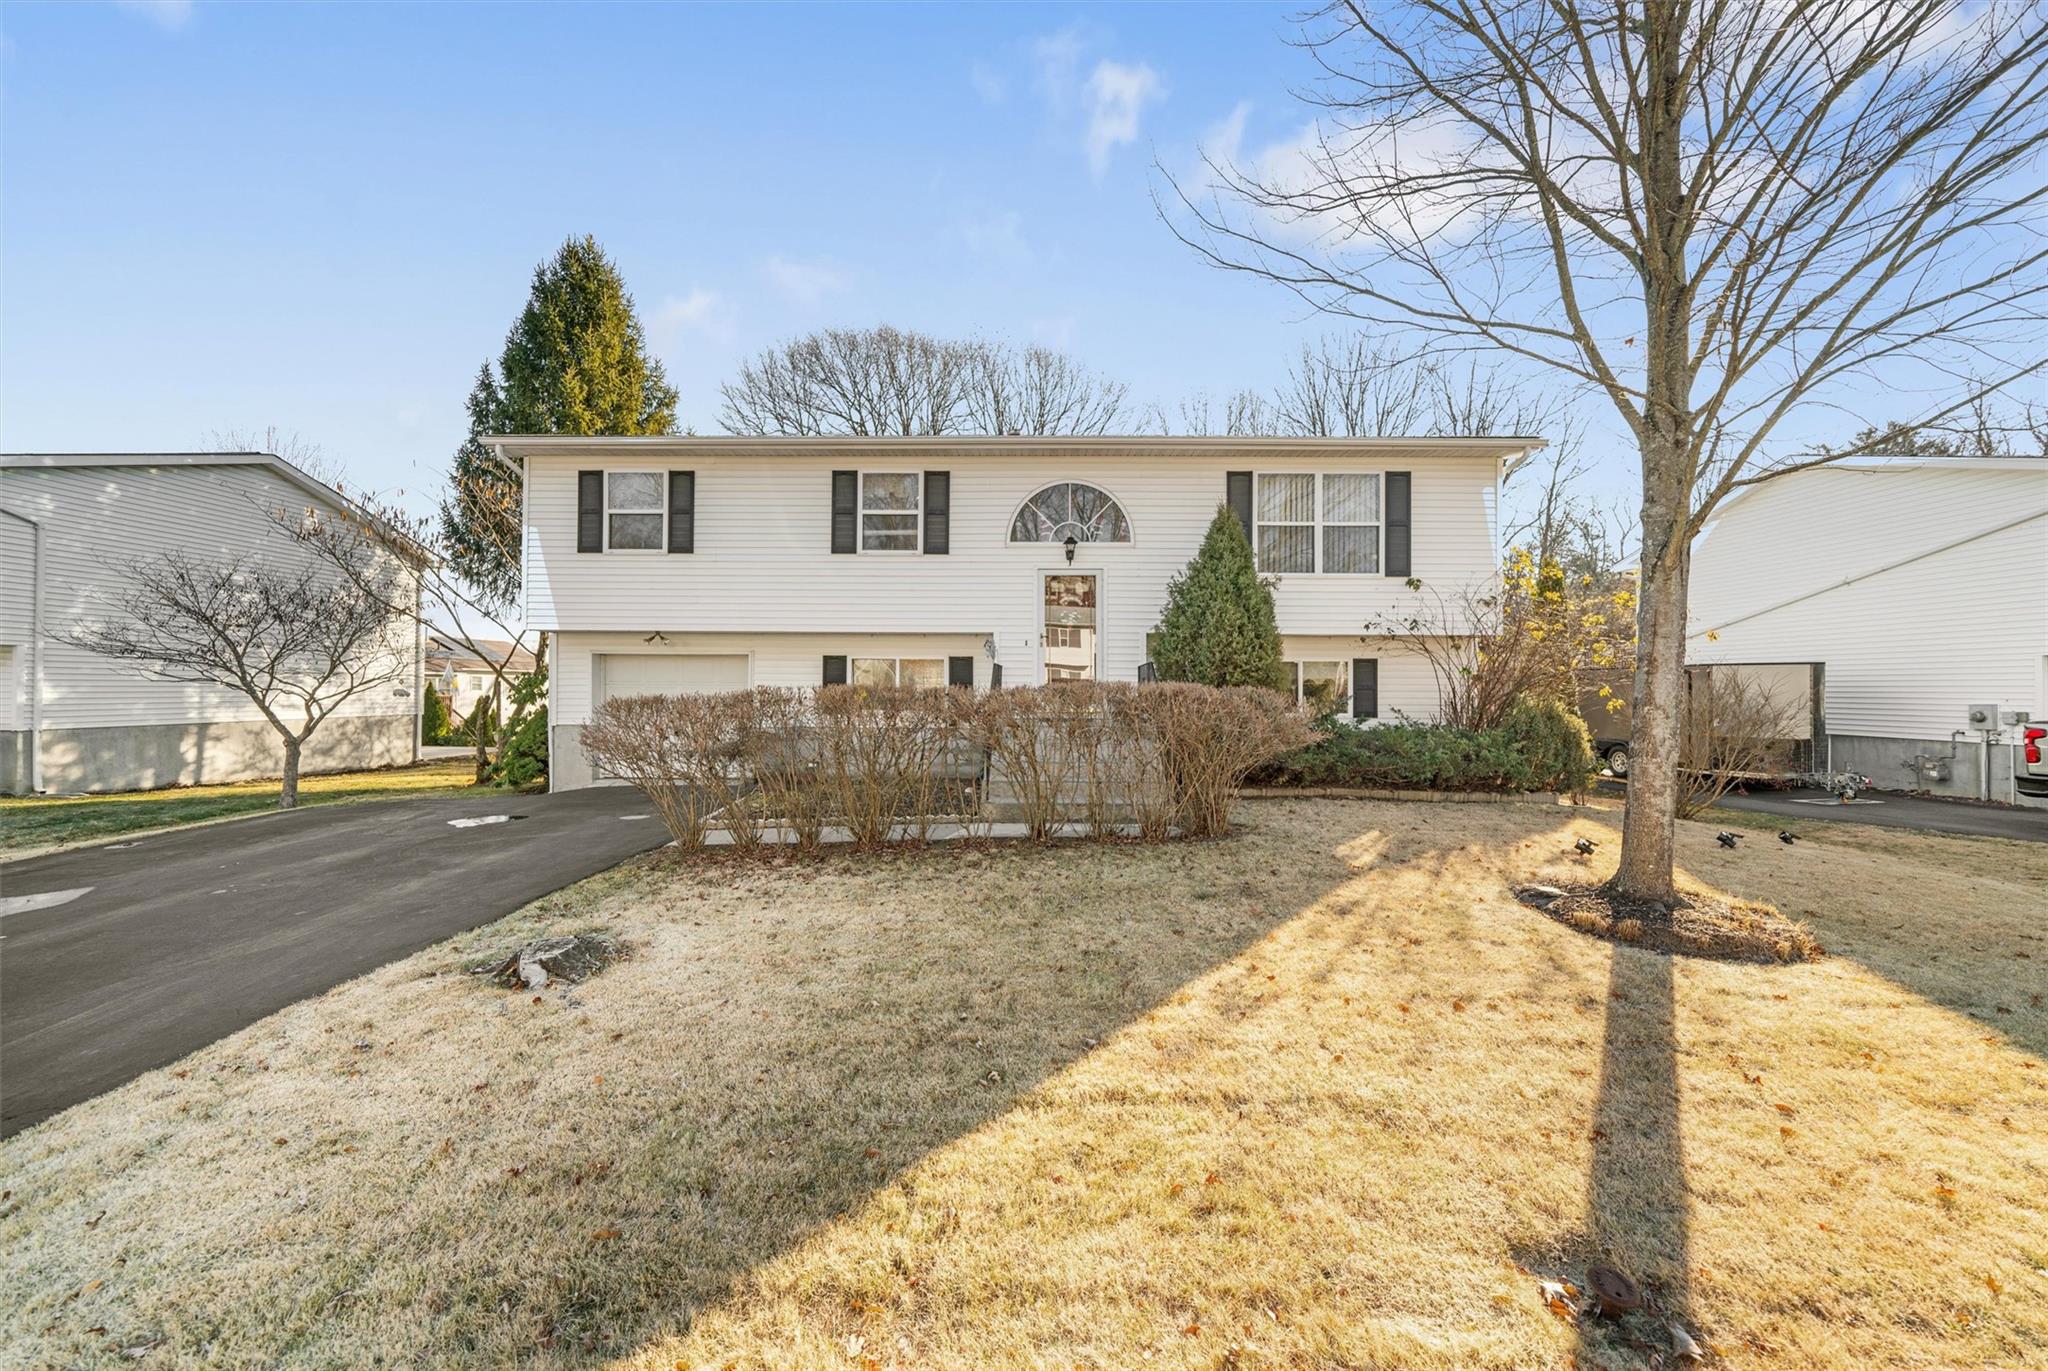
column 433, row 718
column 575, row 362
column 1218, row 627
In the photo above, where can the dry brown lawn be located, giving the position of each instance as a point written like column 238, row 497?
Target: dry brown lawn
column 1319, row 1095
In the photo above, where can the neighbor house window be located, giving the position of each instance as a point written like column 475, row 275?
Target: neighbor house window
column 633, row 510
column 889, row 671
column 1325, row 687
column 1299, row 515
column 889, row 506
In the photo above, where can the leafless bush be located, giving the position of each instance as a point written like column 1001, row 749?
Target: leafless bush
column 1212, row 738
column 686, row 753
column 1734, row 725
column 887, row 763
column 789, row 785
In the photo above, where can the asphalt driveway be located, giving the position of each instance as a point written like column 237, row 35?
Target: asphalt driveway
column 121, row 958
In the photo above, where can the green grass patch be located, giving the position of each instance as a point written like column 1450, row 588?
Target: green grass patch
column 39, row 821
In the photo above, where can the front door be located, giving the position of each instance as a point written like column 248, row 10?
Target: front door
column 1069, row 627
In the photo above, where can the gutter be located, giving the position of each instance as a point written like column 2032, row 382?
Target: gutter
column 1875, row 571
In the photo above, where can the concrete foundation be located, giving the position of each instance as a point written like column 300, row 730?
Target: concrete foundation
column 568, row 768
column 144, row 757
column 16, row 775
column 1958, row 766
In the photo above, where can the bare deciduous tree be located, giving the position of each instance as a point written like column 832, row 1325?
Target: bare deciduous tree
column 1715, row 213
column 298, row 642
column 888, row 382
column 303, row 453
column 437, row 597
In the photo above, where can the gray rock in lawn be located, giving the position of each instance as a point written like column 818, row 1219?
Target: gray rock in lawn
column 1538, row 895
column 559, row 959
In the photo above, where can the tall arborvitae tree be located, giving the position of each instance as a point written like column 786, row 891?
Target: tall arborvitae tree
column 575, row 362
column 1218, row 627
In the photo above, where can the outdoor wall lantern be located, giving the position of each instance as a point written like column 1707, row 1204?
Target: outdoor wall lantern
column 1071, row 544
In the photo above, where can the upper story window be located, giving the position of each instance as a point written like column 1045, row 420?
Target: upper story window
column 1306, row 522
column 633, row 510
column 889, row 509
column 1070, row 509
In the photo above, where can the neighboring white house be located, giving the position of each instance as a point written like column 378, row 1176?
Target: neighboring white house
column 464, row 678
column 70, row 527
column 1921, row 584
column 679, row 564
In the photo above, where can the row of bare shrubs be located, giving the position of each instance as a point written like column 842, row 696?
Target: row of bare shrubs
column 1154, row 760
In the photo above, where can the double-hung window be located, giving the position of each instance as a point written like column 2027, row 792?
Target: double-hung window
column 890, row 503
column 1286, row 522
column 1307, row 522
column 634, row 510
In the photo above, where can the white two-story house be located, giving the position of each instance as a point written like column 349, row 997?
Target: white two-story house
column 664, row 565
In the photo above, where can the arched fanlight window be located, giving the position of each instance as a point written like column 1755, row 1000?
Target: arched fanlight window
column 1071, row 509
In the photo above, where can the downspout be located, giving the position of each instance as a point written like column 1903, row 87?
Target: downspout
column 35, row 641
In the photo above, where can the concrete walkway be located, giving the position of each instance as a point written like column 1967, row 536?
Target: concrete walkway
column 121, row 958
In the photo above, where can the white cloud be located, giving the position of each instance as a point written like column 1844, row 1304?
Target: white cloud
column 991, row 85
column 998, row 234
column 804, row 282
column 1058, row 57
column 168, row 15
column 1119, row 94
column 697, row 311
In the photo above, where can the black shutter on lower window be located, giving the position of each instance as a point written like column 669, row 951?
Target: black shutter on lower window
column 845, row 511
column 835, row 671
column 959, row 670
column 1237, row 493
column 1400, row 538
column 1365, row 687
column 682, row 511
column 590, row 511
column 938, row 511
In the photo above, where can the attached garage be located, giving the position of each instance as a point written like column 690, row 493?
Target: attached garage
column 647, row 673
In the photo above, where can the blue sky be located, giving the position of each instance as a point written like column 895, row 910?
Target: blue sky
column 324, row 217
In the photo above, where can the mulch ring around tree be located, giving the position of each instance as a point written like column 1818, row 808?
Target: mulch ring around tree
column 1714, row 927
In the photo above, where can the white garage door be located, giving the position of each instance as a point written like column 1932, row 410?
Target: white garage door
column 636, row 673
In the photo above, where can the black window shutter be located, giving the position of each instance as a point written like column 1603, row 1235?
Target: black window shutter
column 590, row 511
column 1237, row 493
column 959, row 670
column 938, row 511
column 845, row 511
column 995, row 677
column 1399, row 539
column 1365, row 687
column 835, row 671
column 682, row 511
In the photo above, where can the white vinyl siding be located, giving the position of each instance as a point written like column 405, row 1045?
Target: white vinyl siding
column 763, row 564
column 1922, row 586
column 96, row 521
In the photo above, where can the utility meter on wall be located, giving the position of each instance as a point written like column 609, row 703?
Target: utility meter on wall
column 1984, row 718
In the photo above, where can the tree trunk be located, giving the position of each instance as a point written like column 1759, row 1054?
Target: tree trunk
column 476, row 734
column 288, row 793
column 1649, row 825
